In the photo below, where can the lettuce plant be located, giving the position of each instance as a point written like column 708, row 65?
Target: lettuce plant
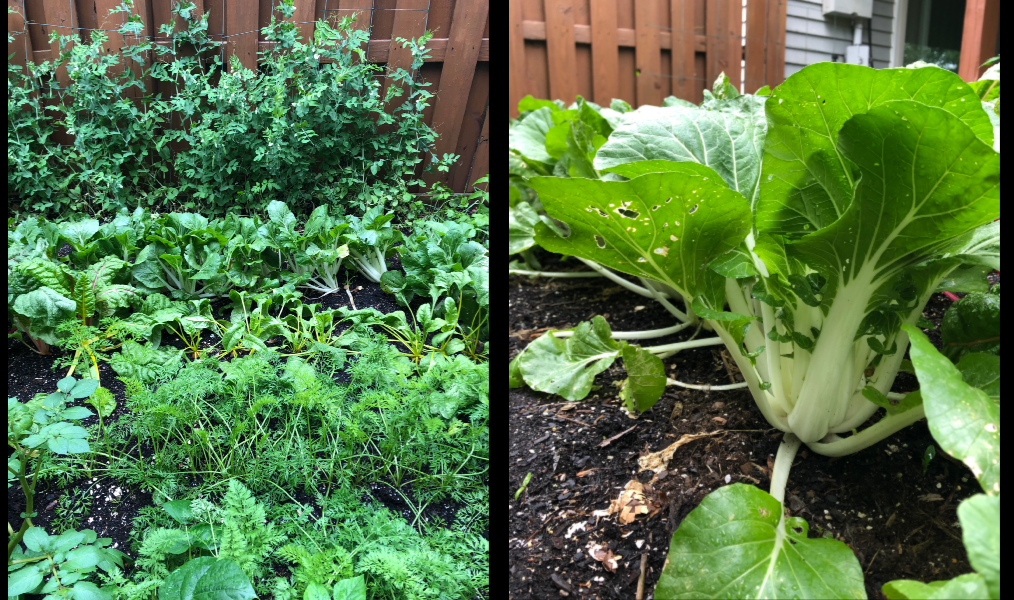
column 824, row 216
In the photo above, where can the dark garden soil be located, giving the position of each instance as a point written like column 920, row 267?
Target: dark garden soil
column 113, row 507
column 901, row 523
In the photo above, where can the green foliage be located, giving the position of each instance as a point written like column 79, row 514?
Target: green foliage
column 144, row 363
column 297, row 129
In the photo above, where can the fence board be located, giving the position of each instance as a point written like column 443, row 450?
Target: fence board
column 21, row 47
column 731, row 30
column 303, row 17
column 409, row 22
column 647, row 57
column 756, row 12
column 471, row 129
column 684, row 41
column 604, row 51
column 61, row 17
column 480, row 166
column 560, row 49
column 241, row 33
column 775, row 45
column 456, row 76
column 517, row 74
column 978, row 39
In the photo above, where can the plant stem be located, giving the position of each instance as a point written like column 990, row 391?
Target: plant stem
column 706, row 387
column 554, row 273
column 685, row 345
column 636, row 335
column 838, row 446
column 783, row 462
column 619, row 280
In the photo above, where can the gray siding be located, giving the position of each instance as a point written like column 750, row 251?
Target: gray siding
column 811, row 38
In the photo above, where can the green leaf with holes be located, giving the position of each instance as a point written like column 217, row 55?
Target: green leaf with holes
column 663, row 226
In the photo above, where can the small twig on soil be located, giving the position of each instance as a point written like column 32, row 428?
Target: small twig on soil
column 728, row 367
column 571, row 420
column 536, row 532
column 913, row 532
column 616, row 437
column 943, row 528
column 869, row 566
column 640, row 581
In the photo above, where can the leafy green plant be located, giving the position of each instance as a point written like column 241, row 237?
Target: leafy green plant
column 60, row 564
column 42, row 424
column 144, row 363
column 963, row 410
column 72, row 507
column 296, row 128
column 184, row 256
column 824, row 217
column 41, row 294
column 371, row 242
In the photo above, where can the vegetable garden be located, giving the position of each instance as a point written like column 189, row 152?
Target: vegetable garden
column 265, row 376
column 755, row 342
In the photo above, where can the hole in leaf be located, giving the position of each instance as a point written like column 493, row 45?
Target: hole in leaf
column 601, row 212
column 668, row 201
column 626, row 212
column 694, row 209
column 600, row 241
column 656, row 207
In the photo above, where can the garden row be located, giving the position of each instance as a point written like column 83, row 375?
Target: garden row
column 807, row 227
column 120, row 269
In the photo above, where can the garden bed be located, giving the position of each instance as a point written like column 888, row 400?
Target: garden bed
column 900, row 521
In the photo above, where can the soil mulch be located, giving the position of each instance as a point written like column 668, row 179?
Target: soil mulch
column 901, row 522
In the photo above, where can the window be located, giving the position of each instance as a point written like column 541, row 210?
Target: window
column 932, row 32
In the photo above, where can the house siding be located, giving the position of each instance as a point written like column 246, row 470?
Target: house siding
column 811, row 38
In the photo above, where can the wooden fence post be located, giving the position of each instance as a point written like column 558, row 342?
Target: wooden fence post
column 561, row 50
column 648, row 55
column 978, row 40
column 517, row 74
column 456, row 76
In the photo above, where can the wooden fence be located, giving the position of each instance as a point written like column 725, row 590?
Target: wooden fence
column 642, row 50
column 458, row 67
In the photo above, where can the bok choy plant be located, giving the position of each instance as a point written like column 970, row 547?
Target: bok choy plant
column 809, row 229
column 372, row 241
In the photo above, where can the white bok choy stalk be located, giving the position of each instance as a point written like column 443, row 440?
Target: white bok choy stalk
column 371, row 242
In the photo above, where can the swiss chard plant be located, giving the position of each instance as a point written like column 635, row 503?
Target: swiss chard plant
column 808, row 229
column 42, row 293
